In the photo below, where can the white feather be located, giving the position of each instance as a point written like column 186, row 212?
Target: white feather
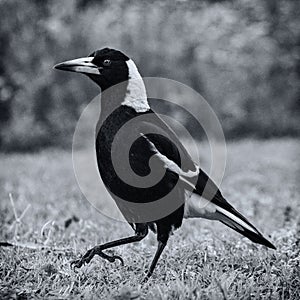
column 136, row 96
column 171, row 165
column 235, row 219
column 198, row 207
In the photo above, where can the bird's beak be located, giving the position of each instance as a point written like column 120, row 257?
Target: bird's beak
column 80, row 65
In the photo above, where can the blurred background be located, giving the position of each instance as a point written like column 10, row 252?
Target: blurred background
column 241, row 55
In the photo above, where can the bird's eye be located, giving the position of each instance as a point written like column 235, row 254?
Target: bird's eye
column 106, row 62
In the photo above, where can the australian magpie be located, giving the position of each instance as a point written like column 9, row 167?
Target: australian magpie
column 186, row 190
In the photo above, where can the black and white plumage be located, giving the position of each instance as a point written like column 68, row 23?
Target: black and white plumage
column 155, row 141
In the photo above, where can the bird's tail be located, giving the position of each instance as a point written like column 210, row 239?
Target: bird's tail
column 217, row 208
column 239, row 223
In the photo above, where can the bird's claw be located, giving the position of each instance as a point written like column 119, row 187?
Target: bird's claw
column 114, row 258
column 145, row 279
column 78, row 263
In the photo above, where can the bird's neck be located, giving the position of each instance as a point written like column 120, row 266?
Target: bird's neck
column 136, row 96
column 130, row 93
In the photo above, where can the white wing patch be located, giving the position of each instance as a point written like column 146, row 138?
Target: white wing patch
column 136, row 96
column 195, row 205
column 171, row 165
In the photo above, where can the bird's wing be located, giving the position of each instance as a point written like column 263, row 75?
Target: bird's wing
column 165, row 140
column 206, row 200
column 165, row 144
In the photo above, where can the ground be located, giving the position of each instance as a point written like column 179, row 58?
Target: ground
column 49, row 222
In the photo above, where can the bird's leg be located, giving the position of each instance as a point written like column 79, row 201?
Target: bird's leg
column 161, row 246
column 98, row 250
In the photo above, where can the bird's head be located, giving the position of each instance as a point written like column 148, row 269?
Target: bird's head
column 109, row 67
column 106, row 67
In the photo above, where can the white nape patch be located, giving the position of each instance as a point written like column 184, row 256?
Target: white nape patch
column 136, row 96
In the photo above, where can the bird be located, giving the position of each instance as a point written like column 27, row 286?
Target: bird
column 185, row 189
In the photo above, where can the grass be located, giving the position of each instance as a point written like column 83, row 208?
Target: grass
column 204, row 259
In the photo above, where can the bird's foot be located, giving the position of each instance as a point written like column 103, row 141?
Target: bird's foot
column 88, row 256
column 146, row 278
column 111, row 258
